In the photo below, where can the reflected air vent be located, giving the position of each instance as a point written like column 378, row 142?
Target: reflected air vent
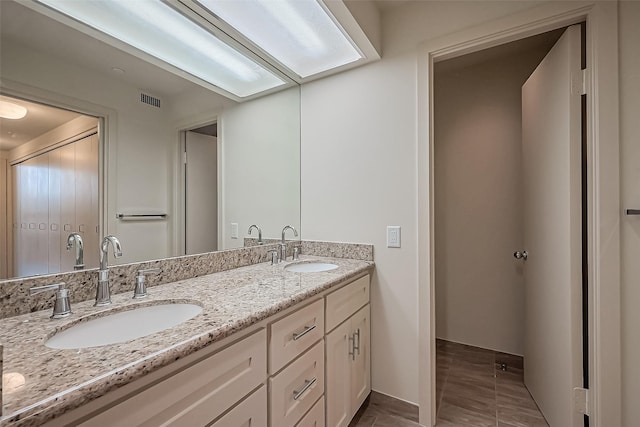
column 151, row 100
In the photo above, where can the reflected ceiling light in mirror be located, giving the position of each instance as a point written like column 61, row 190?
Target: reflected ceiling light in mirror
column 300, row 34
column 9, row 110
column 164, row 33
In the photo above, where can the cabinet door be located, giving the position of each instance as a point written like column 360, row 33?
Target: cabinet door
column 315, row 417
column 360, row 365
column 197, row 395
column 251, row 412
column 338, row 367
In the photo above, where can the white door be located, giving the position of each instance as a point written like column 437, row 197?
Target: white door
column 201, row 193
column 552, row 232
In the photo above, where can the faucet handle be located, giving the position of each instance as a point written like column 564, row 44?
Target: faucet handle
column 61, row 305
column 274, row 256
column 296, row 252
column 140, row 290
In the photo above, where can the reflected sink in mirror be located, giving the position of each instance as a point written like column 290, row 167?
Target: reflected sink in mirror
column 121, row 326
column 310, row 267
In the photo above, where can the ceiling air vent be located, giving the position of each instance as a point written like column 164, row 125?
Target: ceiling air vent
column 151, row 100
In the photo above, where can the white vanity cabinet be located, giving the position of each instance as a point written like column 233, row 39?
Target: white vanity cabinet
column 348, row 378
column 308, row 366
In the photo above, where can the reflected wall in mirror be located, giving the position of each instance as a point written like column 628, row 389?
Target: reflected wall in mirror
column 145, row 112
column 49, row 164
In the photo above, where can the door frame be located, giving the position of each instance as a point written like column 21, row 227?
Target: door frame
column 602, row 179
column 107, row 142
column 177, row 237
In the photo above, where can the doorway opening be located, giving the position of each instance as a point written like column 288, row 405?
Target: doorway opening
column 50, row 189
column 600, row 81
column 479, row 221
column 200, row 150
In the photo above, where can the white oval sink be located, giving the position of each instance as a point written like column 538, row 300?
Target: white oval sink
column 123, row 326
column 310, row 267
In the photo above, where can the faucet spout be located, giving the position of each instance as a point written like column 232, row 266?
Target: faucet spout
column 103, row 292
column 260, row 242
column 76, row 239
column 283, row 245
column 104, row 247
column 288, row 227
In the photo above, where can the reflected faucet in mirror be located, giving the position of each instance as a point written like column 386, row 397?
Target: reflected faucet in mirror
column 260, row 242
column 75, row 239
column 103, row 293
column 283, row 244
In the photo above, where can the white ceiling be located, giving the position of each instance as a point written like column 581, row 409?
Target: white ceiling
column 39, row 120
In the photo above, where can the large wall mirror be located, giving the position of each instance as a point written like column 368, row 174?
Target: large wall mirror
column 167, row 165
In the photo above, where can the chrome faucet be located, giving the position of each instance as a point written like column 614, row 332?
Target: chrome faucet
column 260, row 242
column 76, row 239
column 283, row 244
column 103, row 293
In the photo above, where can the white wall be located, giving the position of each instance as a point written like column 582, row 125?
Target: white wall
column 629, row 15
column 478, row 200
column 260, row 164
column 359, row 172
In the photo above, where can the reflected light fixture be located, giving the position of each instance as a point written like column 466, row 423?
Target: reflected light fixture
column 9, row 110
column 159, row 30
column 301, row 34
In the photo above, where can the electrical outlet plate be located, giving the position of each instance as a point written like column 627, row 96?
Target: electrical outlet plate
column 234, row 230
column 393, row 236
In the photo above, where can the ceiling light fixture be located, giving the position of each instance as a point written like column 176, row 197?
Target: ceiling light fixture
column 164, row 33
column 300, row 34
column 9, row 110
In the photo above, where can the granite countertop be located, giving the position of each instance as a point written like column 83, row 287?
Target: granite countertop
column 56, row 381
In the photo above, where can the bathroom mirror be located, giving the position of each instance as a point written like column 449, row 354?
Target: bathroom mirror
column 146, row 117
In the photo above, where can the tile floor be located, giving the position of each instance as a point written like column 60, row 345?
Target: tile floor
column 471, row 390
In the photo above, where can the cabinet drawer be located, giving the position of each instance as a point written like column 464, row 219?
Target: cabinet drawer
column 345, row 301
column 292, row 335
column 197, row 395
column 315, row 417
column 297, row 387
column 250, row 412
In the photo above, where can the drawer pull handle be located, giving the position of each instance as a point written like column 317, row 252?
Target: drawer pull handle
column 307, row 384
column 307, row 329
column 357, row 347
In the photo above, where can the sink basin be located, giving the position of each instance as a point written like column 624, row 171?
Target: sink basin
column 123, row 326
column 310, row 267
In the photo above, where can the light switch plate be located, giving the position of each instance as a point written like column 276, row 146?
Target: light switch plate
column 393, row 236
column 234, row 230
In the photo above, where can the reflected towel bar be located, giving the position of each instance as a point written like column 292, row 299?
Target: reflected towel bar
column 633, row 211
column 128, row 217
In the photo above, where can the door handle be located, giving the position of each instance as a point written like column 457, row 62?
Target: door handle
column 521, row 255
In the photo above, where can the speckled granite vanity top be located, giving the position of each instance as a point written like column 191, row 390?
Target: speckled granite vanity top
column 60, row 380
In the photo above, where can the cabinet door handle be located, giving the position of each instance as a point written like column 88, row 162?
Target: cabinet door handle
column 352, row 344
column 307, row 384
column 307, row 329
column 357, row 347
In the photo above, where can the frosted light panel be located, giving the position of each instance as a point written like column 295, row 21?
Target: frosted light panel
column 159, row 30
column 298, row 33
